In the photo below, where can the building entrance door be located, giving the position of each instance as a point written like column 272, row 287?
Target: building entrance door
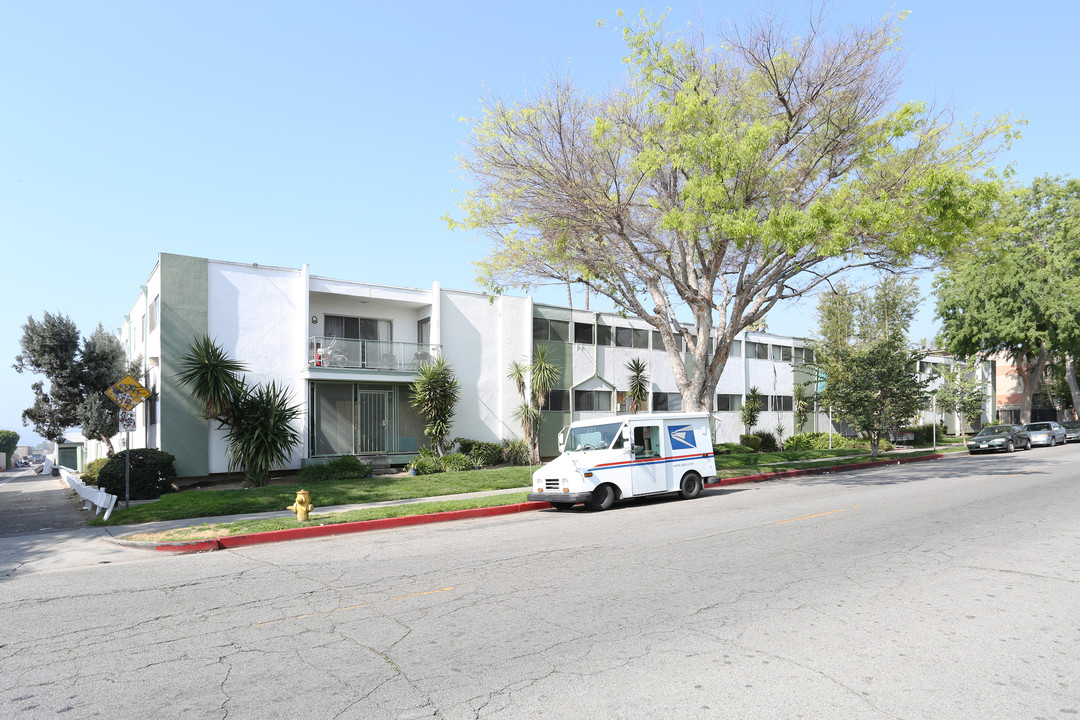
column 371, row 421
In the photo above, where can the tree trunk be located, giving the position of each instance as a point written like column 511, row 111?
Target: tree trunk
column 1074, row 388
column 1030, row 376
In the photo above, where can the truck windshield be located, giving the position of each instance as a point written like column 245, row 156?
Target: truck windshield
column 593, row 437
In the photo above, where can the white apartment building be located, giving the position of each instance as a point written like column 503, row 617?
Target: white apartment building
column 348, row 351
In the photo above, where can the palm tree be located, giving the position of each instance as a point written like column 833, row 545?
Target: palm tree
column 637, row 390
column 534, row 382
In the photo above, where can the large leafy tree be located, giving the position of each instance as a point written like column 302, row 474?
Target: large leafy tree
column 1016, row 290
column 871, row 377
column 723, row 179
column 78, row 375
column 259, row 420
column 435, row 394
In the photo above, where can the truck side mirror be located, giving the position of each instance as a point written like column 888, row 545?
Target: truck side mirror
column 562, row 439
column 626, row 434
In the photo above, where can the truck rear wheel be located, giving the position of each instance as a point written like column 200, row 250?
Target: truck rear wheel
column 690, row 487
column 603, row 497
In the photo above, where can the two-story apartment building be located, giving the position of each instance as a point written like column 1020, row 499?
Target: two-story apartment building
column 348, row 351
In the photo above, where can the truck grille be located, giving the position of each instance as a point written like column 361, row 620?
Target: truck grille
column 551, row 484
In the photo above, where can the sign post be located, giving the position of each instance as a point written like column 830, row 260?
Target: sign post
column 127, row 393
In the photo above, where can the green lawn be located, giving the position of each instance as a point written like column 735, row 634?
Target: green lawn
column 771, row 460
column 212, row 503
column 245, row 527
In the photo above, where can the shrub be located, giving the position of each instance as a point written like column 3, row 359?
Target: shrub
column 426, row 465
column 924, row 434
column 516, row 452
column 768, row 441
column 730, row 449
column 150, row 473
column 90, row 474
column 346, row 467
column 751, row 441
column 802, row 441
column 482, row 454
column 456, row 462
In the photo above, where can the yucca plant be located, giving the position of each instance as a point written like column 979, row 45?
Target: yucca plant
column 258, row 419
column 434, row 394
column 637, row 390
column 262, row 436
column 534, row 382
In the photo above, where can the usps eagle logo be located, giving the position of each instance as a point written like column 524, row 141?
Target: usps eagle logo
column 682, row 437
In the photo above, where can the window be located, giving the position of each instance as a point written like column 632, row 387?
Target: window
column 657, row 340
column 551, row 330
column 781, row 353
column 756, row 350
column 736, row 349
column 341, row 327
column 647, row 442
column 780, row 403
column 423, row 331
column 558, row 401
column 583, row 333
column 151, row 407
column 803, row 355
column 603, row 335
column 728, row 403
column 155, row 308
column 666, row 402
column 624, row 337
column 592, row 400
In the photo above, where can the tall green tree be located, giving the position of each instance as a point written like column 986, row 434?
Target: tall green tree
column 724, row 178
column 871, row 377
column 9, row 440
column 1016, row 290
column 259, row 420
column 78, row 375
column 434, row 394
column 533, row 382
column 961, row 393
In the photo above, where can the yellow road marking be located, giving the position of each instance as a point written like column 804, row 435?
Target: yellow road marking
column 807, row 517
column 352, row 607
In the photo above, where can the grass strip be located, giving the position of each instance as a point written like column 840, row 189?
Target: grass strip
column 212, row 503
column 245, row 527
column 767, row 469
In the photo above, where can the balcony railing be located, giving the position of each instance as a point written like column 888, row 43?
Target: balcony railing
column 374, row 355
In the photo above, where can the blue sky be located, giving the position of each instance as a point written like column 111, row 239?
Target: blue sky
column 326, row 132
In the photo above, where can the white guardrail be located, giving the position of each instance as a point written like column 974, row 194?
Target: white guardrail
column 94, row 497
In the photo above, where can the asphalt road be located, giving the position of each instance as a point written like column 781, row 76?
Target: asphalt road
column 935, row 590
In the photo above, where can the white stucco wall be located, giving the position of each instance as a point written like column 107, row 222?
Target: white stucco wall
column 480, row 339
column 257, row 315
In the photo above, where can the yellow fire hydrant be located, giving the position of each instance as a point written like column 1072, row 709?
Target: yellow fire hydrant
column 302, row 506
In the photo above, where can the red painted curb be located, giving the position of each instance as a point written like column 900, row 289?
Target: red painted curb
column 820, row 471
column 389, row 523
column 342, row 528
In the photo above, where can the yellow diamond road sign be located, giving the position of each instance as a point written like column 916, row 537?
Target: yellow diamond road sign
column 127, row 393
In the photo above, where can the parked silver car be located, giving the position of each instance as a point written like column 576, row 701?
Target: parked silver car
column 1045, row 433
column 1072, row 430
column 999, row 438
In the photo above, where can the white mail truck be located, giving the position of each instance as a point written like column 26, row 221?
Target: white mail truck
column 625, row 456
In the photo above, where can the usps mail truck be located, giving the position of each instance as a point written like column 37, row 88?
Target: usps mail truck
column 625, row 456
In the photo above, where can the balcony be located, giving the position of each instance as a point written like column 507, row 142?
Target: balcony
column 371, row 355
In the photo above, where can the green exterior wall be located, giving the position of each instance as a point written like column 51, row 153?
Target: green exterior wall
column 184, row 317
column 560, row 354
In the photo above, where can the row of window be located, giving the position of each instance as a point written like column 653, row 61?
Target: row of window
column 600, row 401
column 606, row 335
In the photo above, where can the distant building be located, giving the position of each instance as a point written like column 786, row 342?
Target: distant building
column 348, row 351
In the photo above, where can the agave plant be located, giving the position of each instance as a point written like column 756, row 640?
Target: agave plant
column 213, row 378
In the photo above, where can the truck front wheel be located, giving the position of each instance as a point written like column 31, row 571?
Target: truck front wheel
column 690, row 487
column 603, row 497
